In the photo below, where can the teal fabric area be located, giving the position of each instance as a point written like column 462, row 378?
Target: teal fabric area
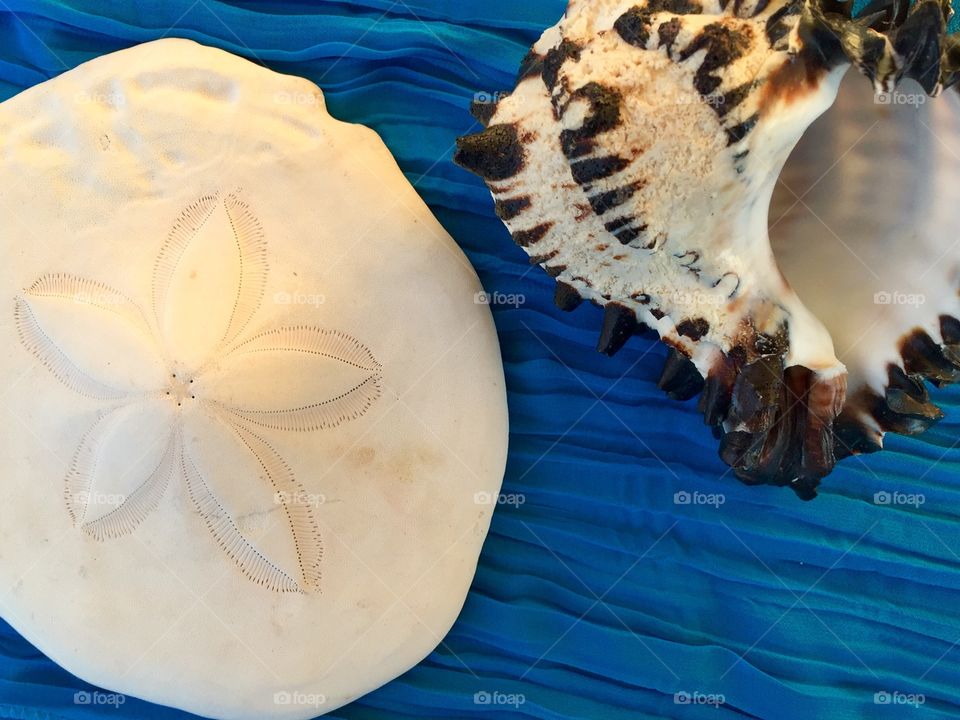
column 597, row 597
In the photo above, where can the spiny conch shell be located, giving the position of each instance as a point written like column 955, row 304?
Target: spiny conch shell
column 636, row 162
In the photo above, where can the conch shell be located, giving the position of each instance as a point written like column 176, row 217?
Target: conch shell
column 639, row 157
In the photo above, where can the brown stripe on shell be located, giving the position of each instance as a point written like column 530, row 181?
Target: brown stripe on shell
column 739, row 132
column 606, row 201
column 779, row 23
column 483, row 111
column 634, row 27
column 554, row 60
column 731, row 99
column 495, row 154
column 723, row 44
column 530, row 66
column 680, row 378
column 906, row 408
column 604, row 115
column 566, row 297
column 619, row 324
column 526, row 238
column 586, row 172
column 694, row 328
column 511, row 207
column 922, row 356
column 667, row 33
column 628, row 235
column 718, row 387
column 784, row 425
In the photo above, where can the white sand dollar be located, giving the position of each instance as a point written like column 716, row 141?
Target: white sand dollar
column 252, row 408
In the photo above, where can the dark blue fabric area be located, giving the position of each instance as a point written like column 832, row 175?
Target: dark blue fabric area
column 599, row 597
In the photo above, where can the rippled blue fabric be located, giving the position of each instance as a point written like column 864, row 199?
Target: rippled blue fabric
column 598, row 597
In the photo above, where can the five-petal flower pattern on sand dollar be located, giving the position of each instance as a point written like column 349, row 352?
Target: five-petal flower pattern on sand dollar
column 188, row 349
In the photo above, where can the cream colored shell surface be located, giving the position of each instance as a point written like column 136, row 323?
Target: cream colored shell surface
column 254, row 416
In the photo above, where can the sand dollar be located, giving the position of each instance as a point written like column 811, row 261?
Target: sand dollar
column 255, row 415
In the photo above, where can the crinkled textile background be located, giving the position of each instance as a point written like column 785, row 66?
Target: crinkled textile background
column 598, row 597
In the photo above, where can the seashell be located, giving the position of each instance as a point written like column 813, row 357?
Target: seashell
column 248, row 466
column 709, row 169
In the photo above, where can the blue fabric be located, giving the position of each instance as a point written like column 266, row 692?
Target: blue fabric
column 598, row 597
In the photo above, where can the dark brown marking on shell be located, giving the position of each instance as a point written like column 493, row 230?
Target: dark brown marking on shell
column 723, row 45
column 738, row 132
column 555, row 271
column 919, row 44
column 543, row 259
column 606, row 201
column 733, row 293
column 667, row 33
column 511, row 207
column 765, row 344
column 530, row 66
column 906, row 407
column 795, row 78
column 634, row 26
column 620, row 222
column 950, row 329
column 566, row 297
column 784, row 425
column 483, row 111
column 680, row 378
column 628, row 235
column 677, row 7
column 554, row 60
column 526, row 238
column 922, row 356
column 619, row 324
column 781, row 22
column 851, row 436
column 495, row 154
column 694, row 328
column 604, row 115
column 717, row 389
column 731, row 99
column 687, row 259
column 586, row 172
column 738, row 163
